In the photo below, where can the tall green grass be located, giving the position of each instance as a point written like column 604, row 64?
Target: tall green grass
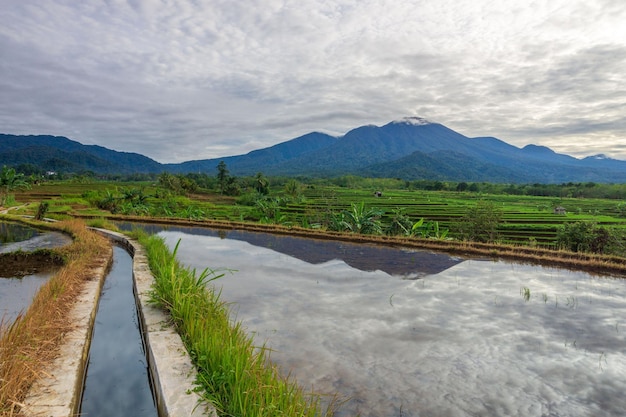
column 233, row 374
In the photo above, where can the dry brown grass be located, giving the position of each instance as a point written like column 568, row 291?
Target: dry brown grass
column 33, row 340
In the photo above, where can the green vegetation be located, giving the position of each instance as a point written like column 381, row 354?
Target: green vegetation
column 493, row 213
column 358, row 219
column 234, row 375
column 516, row 221
column 10, row 180
column 480, row 223
column 589, row 237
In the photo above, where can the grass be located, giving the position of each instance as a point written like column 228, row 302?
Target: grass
column 233, row 374
column 31, row 342
column 524, row 216
column 101, row 223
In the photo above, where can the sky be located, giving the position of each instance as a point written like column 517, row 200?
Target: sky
column 180, row 80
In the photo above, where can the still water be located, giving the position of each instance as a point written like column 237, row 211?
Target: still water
column 14, row 237
column 17, row 292
column 440, row 336
column 15, row 232
column 117, row 381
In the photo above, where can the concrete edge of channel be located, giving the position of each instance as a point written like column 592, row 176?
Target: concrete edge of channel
column 59, row 393
column 172, row 372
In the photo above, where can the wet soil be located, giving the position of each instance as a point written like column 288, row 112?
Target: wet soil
column 20, row 264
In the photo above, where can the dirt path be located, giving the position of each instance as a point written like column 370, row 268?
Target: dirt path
column 5, row 210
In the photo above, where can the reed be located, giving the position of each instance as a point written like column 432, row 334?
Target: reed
column 236, row 376
column 31, row 342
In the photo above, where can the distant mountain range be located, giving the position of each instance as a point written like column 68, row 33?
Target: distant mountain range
column 411, row 148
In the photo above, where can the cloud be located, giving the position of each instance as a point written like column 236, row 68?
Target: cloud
column 179, row 80
column 389, row 344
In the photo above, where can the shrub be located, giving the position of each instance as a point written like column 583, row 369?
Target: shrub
column 589, row 237
column 481, row 222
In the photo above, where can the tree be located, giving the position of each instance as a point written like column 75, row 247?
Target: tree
column 294, row 189
column 462, row 186
column 231, row 187
column 169, row 181
column 222, row 176
column 261, row 184
column 589, row 237
column 473, row 187
column 10, row 180
column 480, row 223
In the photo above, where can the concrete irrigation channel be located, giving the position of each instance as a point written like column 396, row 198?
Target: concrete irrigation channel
column 171, row 372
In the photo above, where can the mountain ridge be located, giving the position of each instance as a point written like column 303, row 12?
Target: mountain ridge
column 410, row 148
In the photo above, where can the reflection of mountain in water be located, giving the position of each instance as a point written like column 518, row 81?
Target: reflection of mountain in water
column 365, row 257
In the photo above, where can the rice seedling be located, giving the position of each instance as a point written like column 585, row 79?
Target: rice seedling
column 233, row 374
column 572, row 302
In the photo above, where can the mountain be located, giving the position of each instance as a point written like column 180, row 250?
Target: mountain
column 414, row 148
column 255, row 161
column 410, row 148
column 57, row 153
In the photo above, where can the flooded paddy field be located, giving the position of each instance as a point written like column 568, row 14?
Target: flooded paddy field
column 439, row 336
column 21, row 277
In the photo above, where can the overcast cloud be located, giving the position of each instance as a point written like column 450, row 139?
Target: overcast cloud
column 192, row 79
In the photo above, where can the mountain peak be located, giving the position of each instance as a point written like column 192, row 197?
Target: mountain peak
column 413, row 120
column 599, row 156
column 537, row 149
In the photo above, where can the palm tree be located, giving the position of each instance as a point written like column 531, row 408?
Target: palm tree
column 261, row 184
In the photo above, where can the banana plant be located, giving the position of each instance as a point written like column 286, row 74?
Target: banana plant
column 428, row 230
column 360, row 219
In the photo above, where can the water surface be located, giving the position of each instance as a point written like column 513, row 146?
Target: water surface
column 117, row 382
column 14, row 237
column 17, row 292
column 479, row 338
column 15, row 232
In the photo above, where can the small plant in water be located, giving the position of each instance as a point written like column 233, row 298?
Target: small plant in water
column 572, row 302
column 525, row 292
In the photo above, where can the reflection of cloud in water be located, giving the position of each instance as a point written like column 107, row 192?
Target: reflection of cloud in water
column 16, row 294
column 116, row 380
column 462, row 342
column 45, row 240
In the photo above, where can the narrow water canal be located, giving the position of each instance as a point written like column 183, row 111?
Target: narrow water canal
column 117, row 381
